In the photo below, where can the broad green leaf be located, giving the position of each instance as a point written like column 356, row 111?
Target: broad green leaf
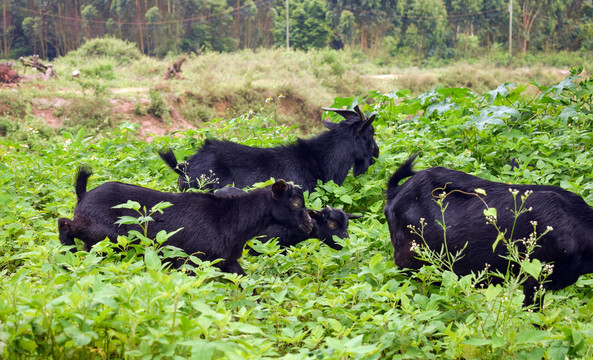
column 492, row 292
column 346, row 199
column 477, row 342
column 532, row 354
column 335, row 344
column 532, row 336
column 246, row 328
column 569, row 112
column 151, row 259
column 532, row 267
column 440, row 107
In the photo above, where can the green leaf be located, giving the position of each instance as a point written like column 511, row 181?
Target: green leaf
column 160, row 207
column 533, row 354
column 481, row 192
column 82, row 339
column 151, row 259
column 492, row 292
column 477, row 342
column 440, row 107
column 532, row 267
column 532, row 336
column 79, row 136
column 500, row 92
column 569, row 112
column 128, row 205
column 123, row 220
column 346, row 199
column 335, row 344
column 490, row 212
column 246, row 328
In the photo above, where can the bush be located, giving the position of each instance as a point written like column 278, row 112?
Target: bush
column 101, row 70
column 123, row 51
column 158, row 105
column 12, row 104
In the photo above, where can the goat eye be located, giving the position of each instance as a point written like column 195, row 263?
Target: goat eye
column 332, row 225
column 296, row 204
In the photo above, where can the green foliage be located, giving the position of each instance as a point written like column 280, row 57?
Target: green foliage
column 100, row 70
column 122, row 301
column 12, row 103
column 308, row 28
column 158, row 105
column 122, row 51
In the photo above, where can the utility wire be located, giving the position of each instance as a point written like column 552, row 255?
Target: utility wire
column 231, row 12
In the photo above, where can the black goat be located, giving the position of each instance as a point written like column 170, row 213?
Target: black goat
column 328, row 156
column 568, row 244
column 327, row 222
column 213, row 227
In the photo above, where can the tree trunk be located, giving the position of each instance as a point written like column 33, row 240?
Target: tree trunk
column 528, row 19
column 139, row 24
column 5, row 24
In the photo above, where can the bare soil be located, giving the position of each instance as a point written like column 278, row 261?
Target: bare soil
column 122, row 109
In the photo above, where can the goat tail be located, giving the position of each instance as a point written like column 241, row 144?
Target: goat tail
column 81, row 181
column 170, row 159
column 405, row 170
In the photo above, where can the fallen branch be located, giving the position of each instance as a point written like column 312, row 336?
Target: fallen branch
column 33, row 61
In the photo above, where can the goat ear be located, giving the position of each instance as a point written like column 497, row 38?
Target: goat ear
column 328, row 124
column 314, row 214
column 367, row 122
column 352, row 216
column 278, row 188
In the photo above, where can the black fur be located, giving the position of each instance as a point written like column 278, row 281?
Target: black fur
column 327, row 222
column 569, row 246
column 328, row 156
column 214, row 227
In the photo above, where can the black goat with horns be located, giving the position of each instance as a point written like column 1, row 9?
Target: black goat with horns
column 327, row 156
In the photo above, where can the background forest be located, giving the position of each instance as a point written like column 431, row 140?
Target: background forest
column 424, row 28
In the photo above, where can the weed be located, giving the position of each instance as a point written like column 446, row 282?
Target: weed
column 158, row 105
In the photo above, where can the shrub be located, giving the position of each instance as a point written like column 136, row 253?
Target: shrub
column 123, row 51
column 158, row 105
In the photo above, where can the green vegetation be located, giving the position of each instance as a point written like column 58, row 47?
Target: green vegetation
column 313, row 302
column 435, row 29
column 114, row 80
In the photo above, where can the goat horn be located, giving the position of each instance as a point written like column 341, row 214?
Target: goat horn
column 360, row 113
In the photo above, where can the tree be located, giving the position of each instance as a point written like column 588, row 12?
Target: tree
column 373, row 18
column 88, row 14
column 346, row 27
column 31, row 29
column 430, row 19
column 464, row 12
column 530, row 10
column 308, row 28
column 153, row 16
column 493, row 22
